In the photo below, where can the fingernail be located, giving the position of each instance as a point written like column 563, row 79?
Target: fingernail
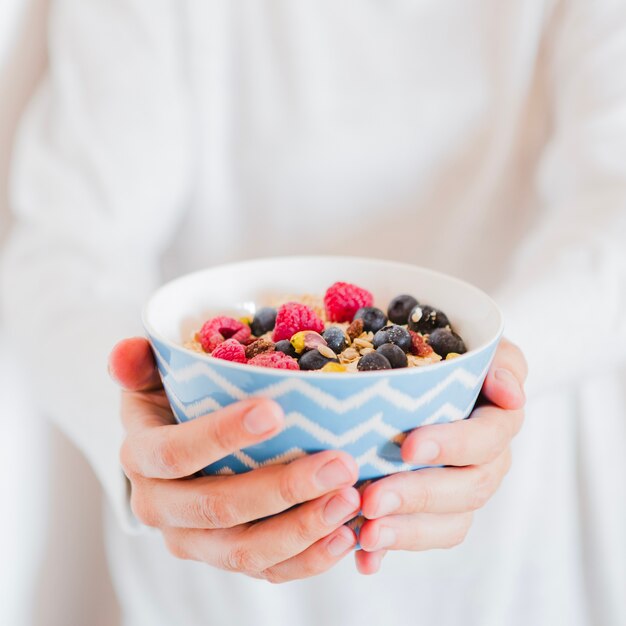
column 386, row 538
column 340, row 543
column 389, row 503
column 509, row 382
column 426, row 452
column 262, row 418
column 333, row 474
column 340, row 506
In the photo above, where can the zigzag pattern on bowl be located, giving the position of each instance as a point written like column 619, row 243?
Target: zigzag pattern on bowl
column 364, row 419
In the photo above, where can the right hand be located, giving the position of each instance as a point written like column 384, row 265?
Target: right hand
column 214, row 518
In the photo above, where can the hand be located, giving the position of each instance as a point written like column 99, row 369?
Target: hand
column 213, row 518
column 432, row 508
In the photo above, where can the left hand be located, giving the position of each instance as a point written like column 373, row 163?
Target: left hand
column 432, row 508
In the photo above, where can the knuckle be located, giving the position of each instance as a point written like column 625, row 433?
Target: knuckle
column 127, row 458
column 272, row 576
column 175, row 547
column 167, row 457
column 424, row 499
column 303, row 532
column 500, row 437
column 142, row 508
column 458, row 534
column 214, row 510
column 224, row 435
column 242, row 559
column 289, row 485
column 482, row 489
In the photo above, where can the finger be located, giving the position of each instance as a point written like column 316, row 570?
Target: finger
column 253, row 548
column 435, row 490
column 423, row 531
column 368, row 563
column 504, row 382
column 320, row 557
column 179, row 450
column 473, row 441
column 227, row 501
column 132, row 366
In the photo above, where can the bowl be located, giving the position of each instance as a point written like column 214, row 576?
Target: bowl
column 366, row 413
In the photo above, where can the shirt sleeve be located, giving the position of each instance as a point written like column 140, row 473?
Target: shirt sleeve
column 100, row 180
column 565, row 303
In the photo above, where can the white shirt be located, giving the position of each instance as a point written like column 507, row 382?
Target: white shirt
column 484, row 139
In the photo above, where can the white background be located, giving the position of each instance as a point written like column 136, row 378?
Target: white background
column 52, row 568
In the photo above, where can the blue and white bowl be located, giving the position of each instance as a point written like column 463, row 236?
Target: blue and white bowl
column 364, row 413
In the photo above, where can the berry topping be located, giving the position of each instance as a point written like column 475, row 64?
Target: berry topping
column 259, row 346
column 307, row 340
column 400, row 307
column 444, row 342
column 394, row 354
column 230, row 350
column 343, row 300
column 277, row 360
column 314, row 360
column 284, row 346
column 336, row 339
column 293, row 317
column 424, row 319
column 393, row 334
column 373, row 361
column 373, row 319
column 264, row 320
column 218, row 329
column 419, row 346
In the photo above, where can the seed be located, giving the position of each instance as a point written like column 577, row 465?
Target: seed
column 367, row 351
column 326, row 351
column 349, row 354
column 363, row 343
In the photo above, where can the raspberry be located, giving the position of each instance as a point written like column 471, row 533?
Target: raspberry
column 277, row 360
column 293, row 317
column 217, row 329
column 230, row 350
column 419, row 347
column 343, row 300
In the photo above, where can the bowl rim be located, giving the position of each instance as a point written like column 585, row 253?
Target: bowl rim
column 280, row 373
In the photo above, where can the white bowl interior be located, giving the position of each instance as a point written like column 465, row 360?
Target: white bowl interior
column 180, row 307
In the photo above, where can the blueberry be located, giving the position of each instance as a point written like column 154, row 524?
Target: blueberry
column 393, row 334
column 264, row 321
column 373, row 361
column 313, row 360
column 373, row 319
column 394, row 354
column 284, row 345
column 424, row 319
column 400, row 307
column 336, row 339
column 444, row 341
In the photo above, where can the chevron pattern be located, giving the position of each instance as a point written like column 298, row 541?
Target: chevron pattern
column 363, row 416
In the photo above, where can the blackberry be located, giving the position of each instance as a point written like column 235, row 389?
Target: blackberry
column 373, row 318
column 394, row 354
column 314, row 360
column 444, row 341
column 400, row 307
column 393, row 334
column 424, row 319
column 284, row 346
column 373, row 361
column 264, row 321
column 336, row 339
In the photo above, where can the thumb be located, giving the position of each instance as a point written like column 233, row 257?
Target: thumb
column 132, row 366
